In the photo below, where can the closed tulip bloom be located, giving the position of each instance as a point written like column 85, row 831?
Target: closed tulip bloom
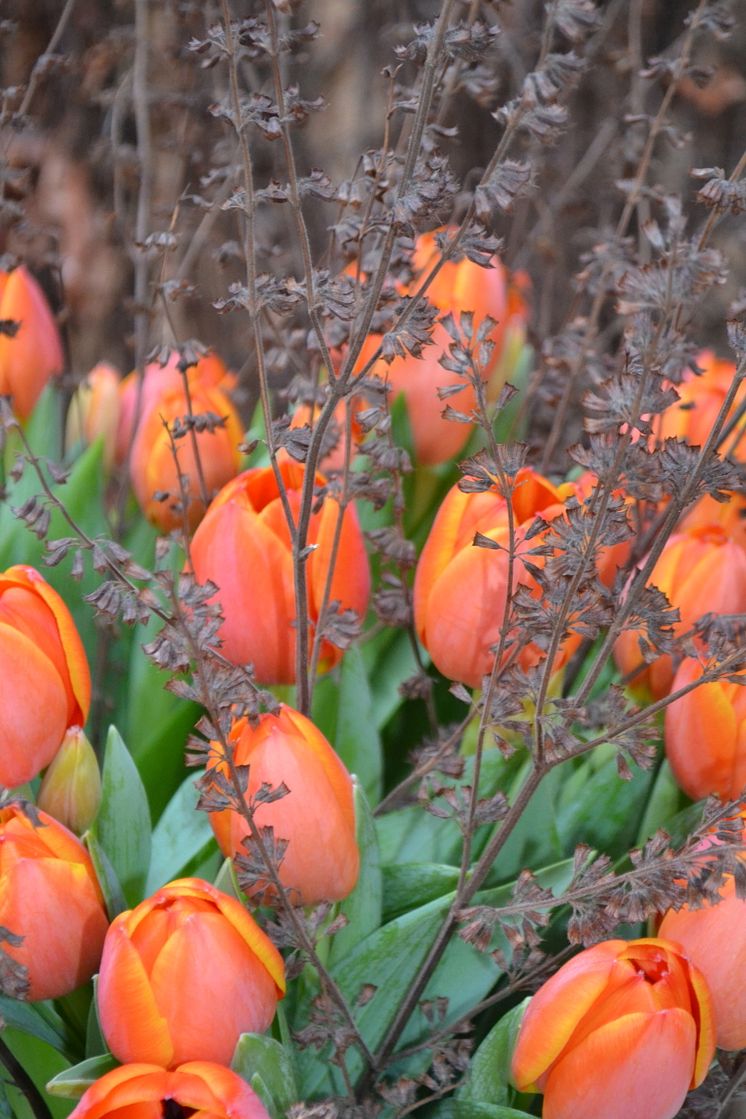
column 49, row 895
column 714, row 939
column 460, row 590
column 316, row 817
column 199, row 1089
column 34, row 353
column 700, row 399
column 184, row 974
column 705, row 736
column 700, row 572
column 622, row 1030
column 71, row 788
column 94, row 410
column 153, row 467
column 243, row 546
column 45, row 683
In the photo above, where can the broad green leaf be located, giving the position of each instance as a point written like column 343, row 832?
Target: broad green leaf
column 261, row 1057
column 595, row 806
column 469, row 1109
column 363, row 907
column 38, row 1019
column 356, row 739
column 489, row 1074
column 41, row 1062
column 95, row 1042
column 110, row 885
column 406, row 885
column 664, row 802
column 181, row 835
column 535, row 840
column 390, row 662
column 73, row 1082
column 122, row 826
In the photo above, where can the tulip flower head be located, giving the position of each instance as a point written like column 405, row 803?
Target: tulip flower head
column 701, row 571
column 71, row 788
column 693, row 415
column 199, row 1089
column 184, row 974
column 624, row 1029
column 316, row 817
column 243, row 546
column 50, row 897
column 460, row 589
column 705, row 735
column 33, row 354
column 45, row 683
column 714, row 939
column 94, row 410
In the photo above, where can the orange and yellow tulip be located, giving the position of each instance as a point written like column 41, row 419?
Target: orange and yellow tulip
column 701, row 571
column 624, row 1029
column 692, row 416
column 45, row 683
column 33, row 354
column 714, row 939
column 184, row 974
column 460, row 590
column 243, row 546
column 316, row 817
column 199, row 1089
column 94, row 410
column 705, row 735
column 49, row 895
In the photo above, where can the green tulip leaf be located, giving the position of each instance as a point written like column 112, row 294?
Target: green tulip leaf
column 268, row 1067
column 181, row 836
column 468, row 1109
column 489, row 1074
column 406, row 885
column 74, row 1081
column 122, row 826
column 110, row 885
column 37, row 1019
column 364, row 905
column 356, row 737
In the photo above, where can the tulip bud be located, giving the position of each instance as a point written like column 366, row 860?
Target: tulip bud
column 460, row 590
column 714, row 939
column 624, row 1029
column 50, row 897
column 243, row 546
column 71, row 789
column 45, row 683
column 700, row 572
column 198, row 1087
column 94, row 410
column 316, row 816
column 33, row 354
column 184, row 974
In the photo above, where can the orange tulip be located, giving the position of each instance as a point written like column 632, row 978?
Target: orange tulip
column 49, row 895
column 460, row 590
column 730, row 515
column 184, row 974
column 624, row 1029
column 702, row 571
column 705, row 736
column 34, row 354
column 45, row 683
column 243, row 546
column 198, row 1089
column 700, row 400
column 94, row 410
column 714, row 939
column 317, row 817
column 459, row 286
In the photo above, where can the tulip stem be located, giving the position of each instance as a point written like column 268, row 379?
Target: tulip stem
column 24, row 1083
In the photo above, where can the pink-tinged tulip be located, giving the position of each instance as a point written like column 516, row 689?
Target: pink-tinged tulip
column 94, row 410
column 624, row 1029
column 184, row 974
column 316, row 816
column 714, row 939
column 460, row 590
column 459, row 286
column 33, row 354
column 705, row 736
column 206, row 458
column 49, row 896
column 199, row 1089
column 45, row 683
column 700, row 399
column 243, row 546
column 700, row 572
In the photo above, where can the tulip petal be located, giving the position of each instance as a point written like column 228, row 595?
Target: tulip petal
column 638, row 1066
column 131, row 1021
column 34, row 707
